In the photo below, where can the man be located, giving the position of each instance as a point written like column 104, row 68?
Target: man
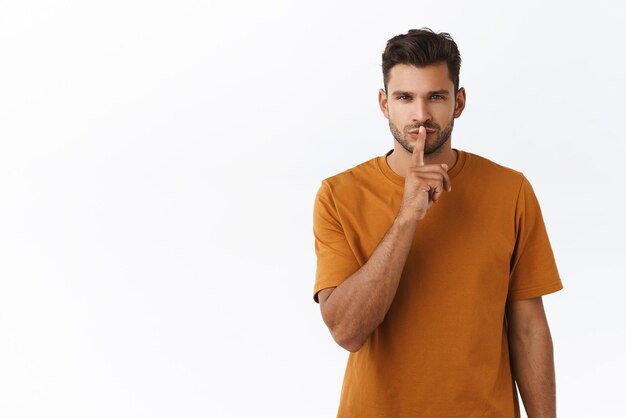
column 431, row 261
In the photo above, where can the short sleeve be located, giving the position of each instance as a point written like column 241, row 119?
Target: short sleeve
column 533, row 268
column 335, row 258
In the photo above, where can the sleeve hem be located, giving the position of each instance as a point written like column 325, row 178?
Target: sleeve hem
column 322, row 286
column 535, row 291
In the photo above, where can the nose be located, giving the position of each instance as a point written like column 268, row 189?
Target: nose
column 420, row 113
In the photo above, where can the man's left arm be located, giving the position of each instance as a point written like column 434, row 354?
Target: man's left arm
column 532, row 358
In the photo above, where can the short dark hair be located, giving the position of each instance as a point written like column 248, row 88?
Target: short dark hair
column 422, row 47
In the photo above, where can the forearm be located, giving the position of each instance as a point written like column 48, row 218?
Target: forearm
column 532, row 362
column 359, row 304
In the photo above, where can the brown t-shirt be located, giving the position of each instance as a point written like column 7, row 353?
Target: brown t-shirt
column 442, row 350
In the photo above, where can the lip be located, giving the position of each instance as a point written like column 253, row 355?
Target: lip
column 428, row 131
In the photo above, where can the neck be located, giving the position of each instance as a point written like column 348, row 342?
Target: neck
column 400, row 159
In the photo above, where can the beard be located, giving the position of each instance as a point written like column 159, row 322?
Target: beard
column 430, row 146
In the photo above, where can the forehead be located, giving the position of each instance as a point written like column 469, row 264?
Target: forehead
column 413, row 79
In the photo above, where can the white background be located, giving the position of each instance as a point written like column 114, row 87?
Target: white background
column 159, row 164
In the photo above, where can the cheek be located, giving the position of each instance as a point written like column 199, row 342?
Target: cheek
column 399, row 123
column 400, row 116
column 443, row 116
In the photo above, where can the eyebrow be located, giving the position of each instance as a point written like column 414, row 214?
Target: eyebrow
column 400, row 92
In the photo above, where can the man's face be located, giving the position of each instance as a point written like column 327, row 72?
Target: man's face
column 421, row 97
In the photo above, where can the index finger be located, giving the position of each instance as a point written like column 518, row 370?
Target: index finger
column 418, row 148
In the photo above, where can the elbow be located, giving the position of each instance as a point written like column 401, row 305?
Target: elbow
column 353, row 347
column 347, row 334
column 347, row 340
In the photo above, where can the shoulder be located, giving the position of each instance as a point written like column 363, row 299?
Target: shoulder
column 487, row 165
column 490, row 172
column 352, row 178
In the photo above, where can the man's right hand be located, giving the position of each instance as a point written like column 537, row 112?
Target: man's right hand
column 423, row 184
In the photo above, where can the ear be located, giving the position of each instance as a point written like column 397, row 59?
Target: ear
column 382, row 102
column 459, row 103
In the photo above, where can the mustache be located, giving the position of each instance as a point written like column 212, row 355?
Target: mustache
column 428, row 126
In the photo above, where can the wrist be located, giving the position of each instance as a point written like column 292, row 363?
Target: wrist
column 406, row 219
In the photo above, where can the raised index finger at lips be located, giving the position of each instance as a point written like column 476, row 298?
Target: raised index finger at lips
column 418, row 148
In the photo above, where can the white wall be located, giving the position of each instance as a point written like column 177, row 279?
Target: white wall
column 159, row 164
